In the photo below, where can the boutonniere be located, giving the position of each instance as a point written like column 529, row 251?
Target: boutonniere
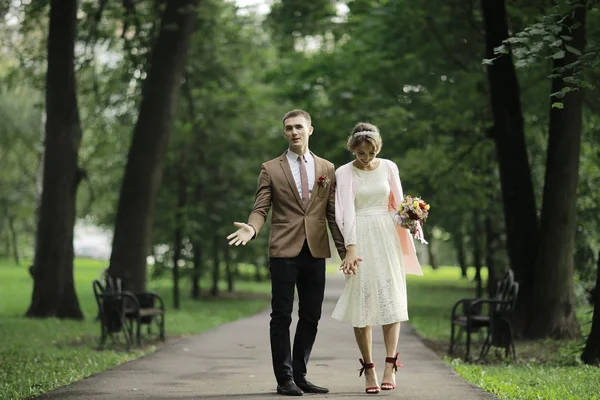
column 323, row 180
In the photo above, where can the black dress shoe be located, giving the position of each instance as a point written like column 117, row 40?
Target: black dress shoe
column 289, row 388
column 308, row 387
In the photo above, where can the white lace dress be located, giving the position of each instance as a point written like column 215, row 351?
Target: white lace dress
column 376, row 295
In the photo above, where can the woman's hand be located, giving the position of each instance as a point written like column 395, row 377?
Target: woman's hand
column 351, row 262
column 346, row 269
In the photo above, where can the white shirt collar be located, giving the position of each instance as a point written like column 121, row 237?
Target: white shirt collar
column 294, row 156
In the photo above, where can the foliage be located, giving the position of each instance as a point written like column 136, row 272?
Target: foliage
column 20, row 138
column 290, row 20
column 588, row 208
column 226, row 128
column 549, row 39
column 532, row 47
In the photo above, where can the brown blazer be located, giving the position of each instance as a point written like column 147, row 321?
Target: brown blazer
column 290, row 222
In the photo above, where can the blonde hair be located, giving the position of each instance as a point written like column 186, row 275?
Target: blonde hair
column 365, row 132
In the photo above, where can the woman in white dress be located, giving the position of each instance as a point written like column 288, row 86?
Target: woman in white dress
column 379, row 253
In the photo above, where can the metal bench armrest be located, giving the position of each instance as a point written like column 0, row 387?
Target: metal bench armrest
column 461, row 301
column 489, row 302
column 157, row 297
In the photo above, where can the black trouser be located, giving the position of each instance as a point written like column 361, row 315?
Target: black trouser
column 307, row 274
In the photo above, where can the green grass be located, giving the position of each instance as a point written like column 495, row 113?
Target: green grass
column 37, row 356
column 546, row 369
column 531, row 381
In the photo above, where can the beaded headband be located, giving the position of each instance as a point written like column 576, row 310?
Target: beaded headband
column 366, row 133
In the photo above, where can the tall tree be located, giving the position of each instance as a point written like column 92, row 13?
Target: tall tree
column 591, row 353
column 508, row 134
column 54, row 290
column 477, row 238
column 553, row 310
column 135, row 213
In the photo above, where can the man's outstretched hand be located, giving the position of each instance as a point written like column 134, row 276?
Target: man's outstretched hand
column 243, row 235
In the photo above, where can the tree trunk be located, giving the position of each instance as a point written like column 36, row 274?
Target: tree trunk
column 431, row 256
column 197, row 271
column 39, row 184
column 477, row 261
column 192, row 114
column 53, row 289
column 69, row 304
column 459, row 243
column 179, row 229
column 229, row 270
column 257, row 274
column 6, row 242
column 214, row 291
column 515, row 175
column 135, row 213
column 14, row 239
column 591, row 353
column 178, row 238
column 490, row 256
column 553, row 308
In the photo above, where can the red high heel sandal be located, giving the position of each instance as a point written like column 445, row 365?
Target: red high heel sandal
column 392, row 360
column 365, row 366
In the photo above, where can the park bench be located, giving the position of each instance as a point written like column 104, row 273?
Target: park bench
column 122, row 311
column 493, row 315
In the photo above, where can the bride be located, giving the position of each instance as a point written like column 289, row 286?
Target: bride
column 367, row 194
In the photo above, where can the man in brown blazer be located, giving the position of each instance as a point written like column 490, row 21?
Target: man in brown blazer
column 300, row 189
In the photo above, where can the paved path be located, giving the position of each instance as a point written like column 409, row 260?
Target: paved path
column 233, row 362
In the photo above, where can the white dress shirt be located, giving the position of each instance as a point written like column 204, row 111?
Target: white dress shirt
column 310, row 170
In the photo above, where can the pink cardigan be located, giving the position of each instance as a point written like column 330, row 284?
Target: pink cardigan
column 345, row 193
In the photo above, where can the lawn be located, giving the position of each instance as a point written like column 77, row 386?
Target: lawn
column 546, row 370
column 37, row 356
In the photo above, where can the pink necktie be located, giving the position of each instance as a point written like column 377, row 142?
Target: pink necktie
column 303, row 180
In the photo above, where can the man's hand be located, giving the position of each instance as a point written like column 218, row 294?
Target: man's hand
column 243, row 235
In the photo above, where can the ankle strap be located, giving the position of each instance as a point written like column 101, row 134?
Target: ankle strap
column 365, row 366
column 394, row 360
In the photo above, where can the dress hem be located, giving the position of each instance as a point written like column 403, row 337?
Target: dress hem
column 363, row 326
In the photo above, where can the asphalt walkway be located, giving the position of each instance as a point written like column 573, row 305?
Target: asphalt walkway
column 233, row 362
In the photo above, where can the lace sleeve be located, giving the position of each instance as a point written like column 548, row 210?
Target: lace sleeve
column 351, row 239
column 397, row 219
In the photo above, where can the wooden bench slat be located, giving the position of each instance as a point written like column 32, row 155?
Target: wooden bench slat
column 147, row 312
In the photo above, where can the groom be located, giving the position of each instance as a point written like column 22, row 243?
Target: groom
column 300, row 188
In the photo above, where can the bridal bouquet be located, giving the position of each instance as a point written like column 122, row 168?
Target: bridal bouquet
column 413, row 213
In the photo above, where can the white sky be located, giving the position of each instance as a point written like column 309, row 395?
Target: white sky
column 257, row 6
column 260, row 7
column 263, row 6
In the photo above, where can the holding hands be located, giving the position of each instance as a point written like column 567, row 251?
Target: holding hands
column 351, row 261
